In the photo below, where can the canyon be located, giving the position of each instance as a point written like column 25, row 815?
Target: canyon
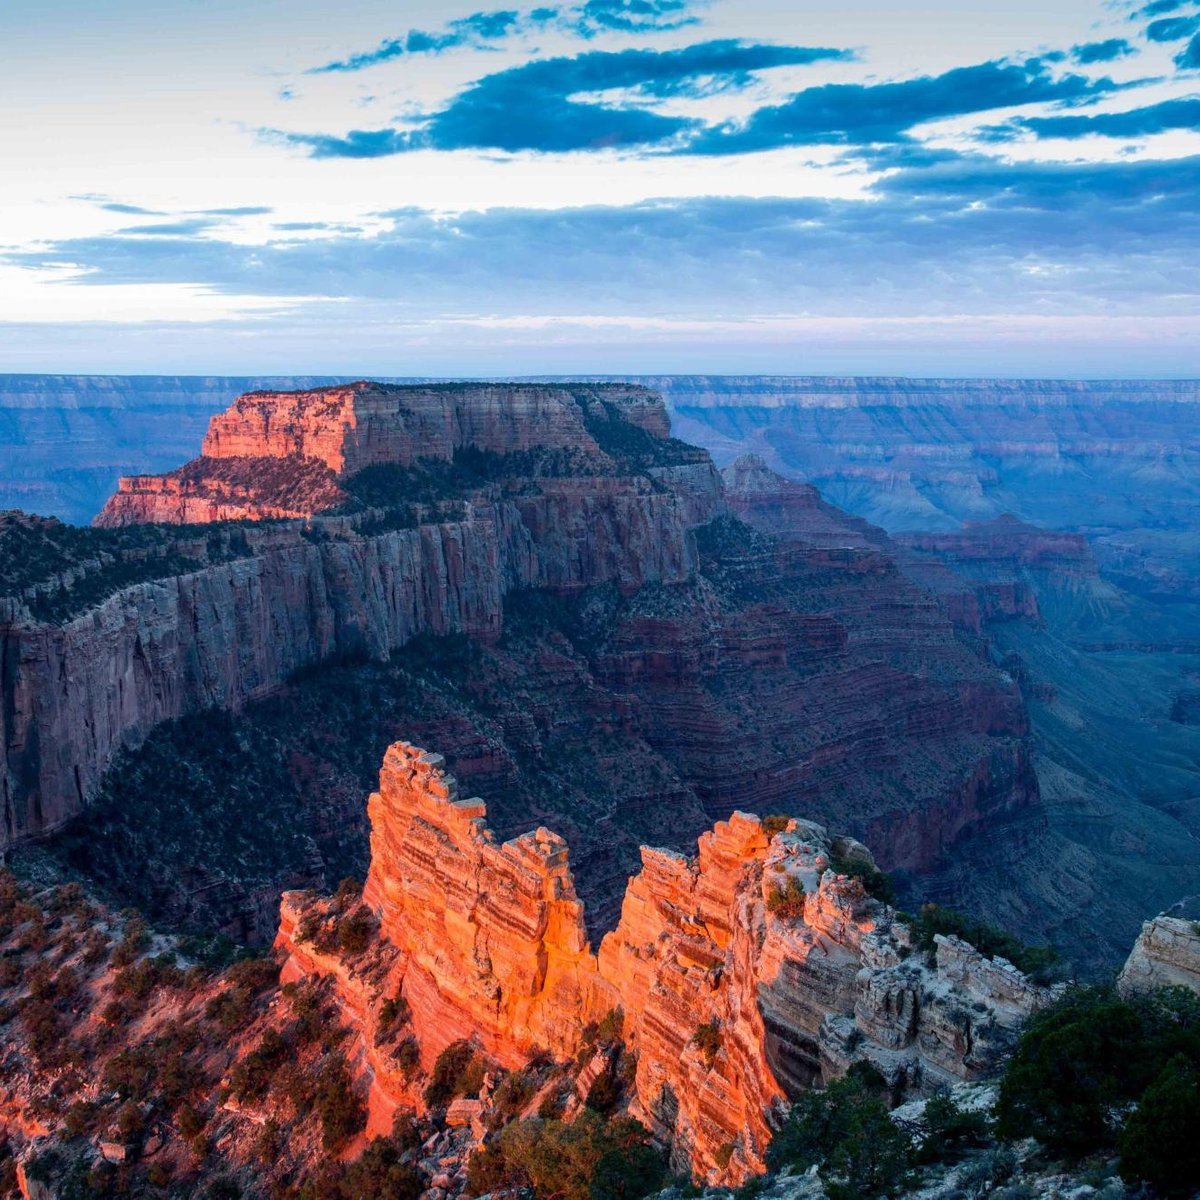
column 691, row 698
column 634, row 661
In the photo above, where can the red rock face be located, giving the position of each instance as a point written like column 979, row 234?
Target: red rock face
column 492, row 946
column 232, row 489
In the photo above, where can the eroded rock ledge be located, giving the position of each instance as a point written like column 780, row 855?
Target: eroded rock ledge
column 486, row 940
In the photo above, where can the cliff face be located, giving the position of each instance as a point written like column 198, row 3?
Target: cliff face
column 1166, row 954
column 492, row 946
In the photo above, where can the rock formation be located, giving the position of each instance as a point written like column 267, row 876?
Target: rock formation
column 280, row 454
column 1166, row 954
column 743, row 975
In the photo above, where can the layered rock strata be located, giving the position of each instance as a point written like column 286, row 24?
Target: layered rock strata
column 1166, row 954
column 732, row 999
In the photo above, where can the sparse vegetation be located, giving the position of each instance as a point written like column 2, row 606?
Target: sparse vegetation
column 458, row 1071
column 1042, row 962
column 846, row 1133
column 591, row 1159
column 707, row 1039
column 876, row 883
column 786, row 899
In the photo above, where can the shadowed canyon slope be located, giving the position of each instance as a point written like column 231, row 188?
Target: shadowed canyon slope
column 632, row 660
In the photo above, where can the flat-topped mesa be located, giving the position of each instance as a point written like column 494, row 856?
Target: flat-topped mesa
column 745, row 974
column 325, row 435
column 365, row 424
column 1007, row 541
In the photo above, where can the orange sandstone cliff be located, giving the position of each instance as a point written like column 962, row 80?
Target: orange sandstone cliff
column 732, row 999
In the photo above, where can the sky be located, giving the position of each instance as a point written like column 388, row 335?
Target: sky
column 601, row 186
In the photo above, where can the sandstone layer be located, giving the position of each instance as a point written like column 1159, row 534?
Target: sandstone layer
column 731, row 1001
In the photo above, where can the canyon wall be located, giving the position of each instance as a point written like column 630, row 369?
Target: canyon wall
column 731, row 1000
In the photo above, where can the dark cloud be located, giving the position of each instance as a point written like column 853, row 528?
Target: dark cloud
column 858, row 113
column 530, row 107
column 1188, row 59
column 1108, row 50
column 1172, row 29
column 1137, row 122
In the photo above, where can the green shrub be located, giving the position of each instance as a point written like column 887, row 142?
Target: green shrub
column 408, row 1058
column 846, row 1133
column 340, row 1109
column 605, row 1093
column 458, row 1071
column 1160, row 1143
column 591, row 1159
column 775, row 824
column 1044, row 963
column 949, row 1130
column 251, row 1077
column 355, row 931
column 707, row 1039
column 190, row 1122
column 876, row 883
column 1083, row 1060
column 786, row 900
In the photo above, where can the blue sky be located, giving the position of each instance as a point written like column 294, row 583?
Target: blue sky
column 608, row 185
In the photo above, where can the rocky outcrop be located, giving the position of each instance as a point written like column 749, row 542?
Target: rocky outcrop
column 1166, row 954
column 493, row 932
column 743, row 975
column 229, row 489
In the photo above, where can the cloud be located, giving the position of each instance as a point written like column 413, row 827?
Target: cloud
column 631, row 16
column 1172, row 29
column 965, row 235
column 1188, row 59
column 130, row 210
column 181, row 228
column 1108, row 50
column 245, row 210
column 479, row 29
column 858, row 113
column 534, row 107
column 1158, row 7
column 1137, row 122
